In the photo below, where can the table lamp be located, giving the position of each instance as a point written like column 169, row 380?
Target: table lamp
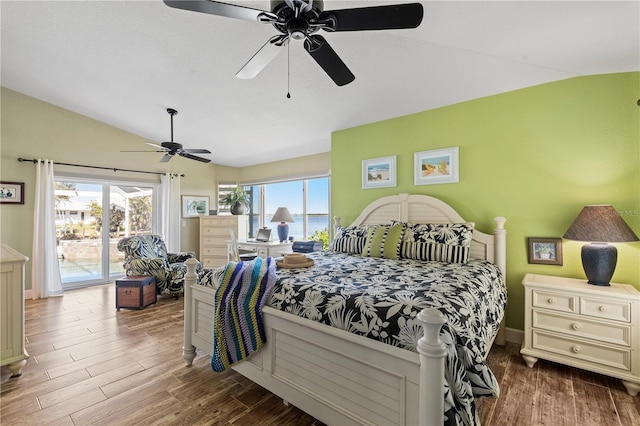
column 599, row 224
column 283, row 216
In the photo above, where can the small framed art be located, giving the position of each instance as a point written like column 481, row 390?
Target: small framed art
column 11, row 192
column 379, row 172
column 436, row 166
column 194, row 206
column 547, row 251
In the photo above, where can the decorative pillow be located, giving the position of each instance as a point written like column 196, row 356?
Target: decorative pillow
column 442, row 242
column 350, row 239
column 384, row 241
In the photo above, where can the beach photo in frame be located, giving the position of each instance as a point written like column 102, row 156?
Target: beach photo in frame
column 11, row 192
column 436, row 166
column 379, row 172
column 194, row 206
column 547, row 251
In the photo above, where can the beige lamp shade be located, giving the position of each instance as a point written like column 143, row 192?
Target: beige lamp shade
column 282, row 215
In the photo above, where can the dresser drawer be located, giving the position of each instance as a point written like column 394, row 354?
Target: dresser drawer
column 603, row 308
column 213, row 261
column 216, row 232
column 248, row 247
column 619, row 334
column 220, row 221
column 554, row 301
column 213, row 242
column 220, row 251
column 616, row 357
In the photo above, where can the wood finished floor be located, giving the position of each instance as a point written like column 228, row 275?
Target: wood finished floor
column 91, row 364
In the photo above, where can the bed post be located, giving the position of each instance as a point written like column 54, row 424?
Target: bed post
column 501, row 260
column 432, row 351
column 188, row 350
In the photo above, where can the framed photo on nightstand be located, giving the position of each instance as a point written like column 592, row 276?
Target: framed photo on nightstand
column 547, row 251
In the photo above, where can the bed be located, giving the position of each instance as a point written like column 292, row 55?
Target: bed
column 344, row 378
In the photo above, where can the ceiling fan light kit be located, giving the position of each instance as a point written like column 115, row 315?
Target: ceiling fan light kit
column 300, row 20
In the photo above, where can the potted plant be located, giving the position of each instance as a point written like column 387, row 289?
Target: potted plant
column 237, row 200
column 545, row 251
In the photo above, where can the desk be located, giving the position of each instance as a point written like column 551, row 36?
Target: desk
column 262, row 249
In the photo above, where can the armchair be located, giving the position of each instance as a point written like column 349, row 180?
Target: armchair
column 147, row 255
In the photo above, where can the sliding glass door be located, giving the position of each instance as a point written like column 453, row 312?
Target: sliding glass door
column 91, row 217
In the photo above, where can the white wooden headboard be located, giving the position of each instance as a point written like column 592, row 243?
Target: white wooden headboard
column 417, row 208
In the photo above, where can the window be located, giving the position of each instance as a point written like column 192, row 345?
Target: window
column 91, row 217
column 306, row 199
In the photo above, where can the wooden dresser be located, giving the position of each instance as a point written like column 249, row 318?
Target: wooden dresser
column 214, row 234
column 12, row 350
column 582, row 325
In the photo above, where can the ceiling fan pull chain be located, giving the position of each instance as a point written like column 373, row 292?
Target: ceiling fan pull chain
column 288, row 70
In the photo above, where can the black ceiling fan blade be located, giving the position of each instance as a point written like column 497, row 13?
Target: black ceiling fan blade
column 143, row 151
column 166, row 158
column 263, row 57
column 196, row 151
column 218, row 8
column 388, row 17
column 328, row 59
column 194, row 157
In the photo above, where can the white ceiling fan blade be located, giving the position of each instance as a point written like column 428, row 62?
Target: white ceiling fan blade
column 155, row 145
column 263, row 57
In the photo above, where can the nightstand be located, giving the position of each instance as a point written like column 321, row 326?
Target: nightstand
column 581, row 325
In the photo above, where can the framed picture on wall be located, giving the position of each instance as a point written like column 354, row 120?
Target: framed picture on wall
column 379, row 172
column 194, row 206
column 11, row 192
column 547, row 251
column 436, row 166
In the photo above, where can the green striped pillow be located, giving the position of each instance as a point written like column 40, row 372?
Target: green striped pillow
column 384, row 241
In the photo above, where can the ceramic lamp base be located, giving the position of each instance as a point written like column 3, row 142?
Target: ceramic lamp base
column 283, row 232
column 599, row 262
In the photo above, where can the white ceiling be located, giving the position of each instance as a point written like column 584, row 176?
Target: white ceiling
column 125, row 62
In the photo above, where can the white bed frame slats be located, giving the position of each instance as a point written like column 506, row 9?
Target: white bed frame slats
column 339, row 377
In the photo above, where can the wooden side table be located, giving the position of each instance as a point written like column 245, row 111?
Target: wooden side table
column 586, row 326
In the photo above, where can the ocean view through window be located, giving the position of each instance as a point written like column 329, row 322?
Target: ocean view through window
column 306, row 199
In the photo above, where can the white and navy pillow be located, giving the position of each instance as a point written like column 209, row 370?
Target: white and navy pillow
column 441, row 242
column 351, row 239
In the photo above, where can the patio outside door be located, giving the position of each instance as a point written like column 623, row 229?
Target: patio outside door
column 91, row 217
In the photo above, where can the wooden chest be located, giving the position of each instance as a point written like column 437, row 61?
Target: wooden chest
column 135, row 291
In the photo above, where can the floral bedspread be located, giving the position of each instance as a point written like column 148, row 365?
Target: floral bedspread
column 380, row 298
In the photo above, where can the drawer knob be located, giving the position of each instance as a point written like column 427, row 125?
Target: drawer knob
column 602, row 308
column 576, row 326
column 577, row 349
column 551, row 301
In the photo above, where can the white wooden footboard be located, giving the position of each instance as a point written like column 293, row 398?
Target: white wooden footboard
column 335, row 376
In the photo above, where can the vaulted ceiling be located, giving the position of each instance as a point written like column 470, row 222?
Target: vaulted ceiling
column 125, row 62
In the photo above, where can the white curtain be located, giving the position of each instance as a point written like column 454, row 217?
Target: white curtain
column 45, row 273
column 170, row 211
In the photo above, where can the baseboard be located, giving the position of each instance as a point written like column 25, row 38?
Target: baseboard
column 27, row 294
column 513, row 335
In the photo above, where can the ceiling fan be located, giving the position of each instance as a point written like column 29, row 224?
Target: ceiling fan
column 301, row 20
column 172, row 148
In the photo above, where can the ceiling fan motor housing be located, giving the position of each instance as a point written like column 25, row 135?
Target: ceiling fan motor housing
column 296, row 27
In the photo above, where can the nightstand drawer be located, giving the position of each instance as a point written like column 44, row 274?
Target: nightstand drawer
column 619, row 358
column 618, row 334
column 599, row 308
column 554, row 301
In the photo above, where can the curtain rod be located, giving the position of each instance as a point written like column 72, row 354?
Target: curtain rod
column 114, row 169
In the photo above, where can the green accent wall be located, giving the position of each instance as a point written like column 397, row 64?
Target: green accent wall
column 535, row 155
